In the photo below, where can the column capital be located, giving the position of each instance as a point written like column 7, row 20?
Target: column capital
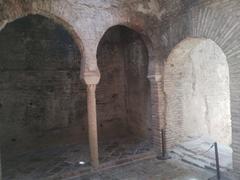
column 91, row 88
column 92, row 77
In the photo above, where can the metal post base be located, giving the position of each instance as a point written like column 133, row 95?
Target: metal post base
column 166, row 157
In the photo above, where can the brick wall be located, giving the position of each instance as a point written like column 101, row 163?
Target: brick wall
column 41, row 95
column 196, row 83
column 123, row 99
column 218, row 21
column 166, row 23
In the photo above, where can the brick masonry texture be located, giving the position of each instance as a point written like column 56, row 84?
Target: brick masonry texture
column 123, row 97
column 162, row 25
column 40, row 82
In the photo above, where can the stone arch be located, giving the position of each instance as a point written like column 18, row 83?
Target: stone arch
column 202, row 21
column 147, row 41
column 227, row 38
column 45, row 12
column 180, row 100
column 155, row 77
column 65, row 36
column 115, row 90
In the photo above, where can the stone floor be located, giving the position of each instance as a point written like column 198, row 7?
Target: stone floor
column 152, row 170
column 55, row 162
column 63, row 163
column 200, row 152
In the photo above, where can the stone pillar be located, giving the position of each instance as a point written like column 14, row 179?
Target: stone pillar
column 158, row 110
column 91, row 79
column 92, row 124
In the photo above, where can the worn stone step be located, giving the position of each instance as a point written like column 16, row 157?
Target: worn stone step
column 197, row 152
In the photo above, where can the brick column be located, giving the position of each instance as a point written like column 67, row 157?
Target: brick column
column 92, row 124
column 158, row 110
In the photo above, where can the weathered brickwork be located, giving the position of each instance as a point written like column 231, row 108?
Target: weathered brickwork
column 40, row 84
column 219, row 22
column 123, row 97
column 196, row 83
column 162, row 24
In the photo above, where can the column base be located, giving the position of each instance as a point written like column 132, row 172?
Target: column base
column 166, row 157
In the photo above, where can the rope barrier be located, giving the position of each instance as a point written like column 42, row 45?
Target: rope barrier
column 201, row 153
column 216, row 158
column 207, row 150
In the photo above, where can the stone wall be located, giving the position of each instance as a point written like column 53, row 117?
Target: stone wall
column 110, row 94
column 162, row 24
column 218, row 21
column 41, row 95
column 123, row 98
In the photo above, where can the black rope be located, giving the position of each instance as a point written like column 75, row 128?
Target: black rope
column 202, row 153
column 207, row 150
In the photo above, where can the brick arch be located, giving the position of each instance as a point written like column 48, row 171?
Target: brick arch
column 55, row 20
column 227, row 38
column 176, row 114
column 144, row 37
column 221, row 26
column 17, row 10
column 154, row 78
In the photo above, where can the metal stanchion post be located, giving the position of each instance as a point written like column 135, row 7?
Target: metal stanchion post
column 217, row 161
column 164, row 151
column 219, row 176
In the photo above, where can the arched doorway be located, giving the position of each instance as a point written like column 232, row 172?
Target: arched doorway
column 196, row 82
column 123, row 95
column 43, row 116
